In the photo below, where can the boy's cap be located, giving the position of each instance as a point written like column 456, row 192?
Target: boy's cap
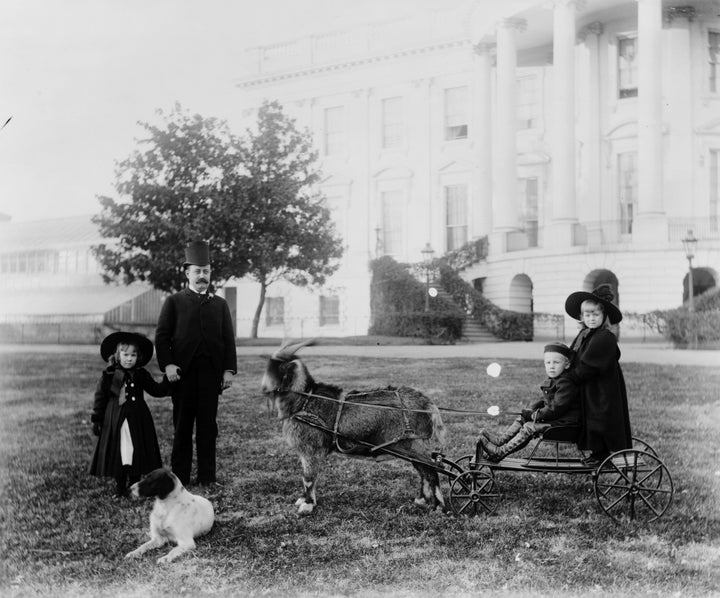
column 111, row 341
column 558, row 348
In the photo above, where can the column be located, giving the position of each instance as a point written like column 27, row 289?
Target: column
column 592, row 155
column 482, row 209
column 506, row 213
column 650, row 224
column 560, row 233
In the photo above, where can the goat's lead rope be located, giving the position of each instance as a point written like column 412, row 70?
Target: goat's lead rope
column 375, row 406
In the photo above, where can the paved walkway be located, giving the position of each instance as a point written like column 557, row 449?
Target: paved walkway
column 631, row 353
column 658, row 353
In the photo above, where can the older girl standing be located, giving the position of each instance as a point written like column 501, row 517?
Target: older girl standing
column 596, row 369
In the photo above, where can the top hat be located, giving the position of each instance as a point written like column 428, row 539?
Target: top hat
column 602, row 294
column 197, row 253
column 144, row 344
column 561, row 348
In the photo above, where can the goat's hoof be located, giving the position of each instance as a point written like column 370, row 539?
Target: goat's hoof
column 306, row 508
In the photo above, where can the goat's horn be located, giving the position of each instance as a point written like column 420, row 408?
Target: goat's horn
column 288, row 349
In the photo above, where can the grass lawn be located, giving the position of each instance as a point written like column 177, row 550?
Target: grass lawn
column 62, row 533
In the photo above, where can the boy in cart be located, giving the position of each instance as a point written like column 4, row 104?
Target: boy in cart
column 560, row 406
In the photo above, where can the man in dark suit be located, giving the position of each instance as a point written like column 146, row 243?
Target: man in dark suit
column 195, row 343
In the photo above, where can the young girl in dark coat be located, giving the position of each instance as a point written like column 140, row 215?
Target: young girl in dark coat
column 127, row 446
column 596, row 369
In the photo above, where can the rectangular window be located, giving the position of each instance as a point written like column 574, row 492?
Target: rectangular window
column 456, row 113
column 627, row 67
column 392, row 218
column 392, row 122
column 528, row 102
column 334, row 127
column 274, row 311
column 456, row 216
column 627, row 189
column 329, row 310
column 714, row 190
column 529, row 202
column 714, row 58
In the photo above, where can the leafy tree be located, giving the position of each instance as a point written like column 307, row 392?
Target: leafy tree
column 174, row 190
column 254, row 199
column 288, row 225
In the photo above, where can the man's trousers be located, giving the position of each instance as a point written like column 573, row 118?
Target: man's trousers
column 195, row 403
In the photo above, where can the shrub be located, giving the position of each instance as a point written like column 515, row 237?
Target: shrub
column 397, row 305
column 691, row 328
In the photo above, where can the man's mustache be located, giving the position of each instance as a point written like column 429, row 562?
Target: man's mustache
column 205, row 280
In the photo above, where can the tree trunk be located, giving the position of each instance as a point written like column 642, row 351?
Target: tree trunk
column 258, row 310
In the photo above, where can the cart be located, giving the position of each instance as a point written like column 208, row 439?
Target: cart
column 632, row 485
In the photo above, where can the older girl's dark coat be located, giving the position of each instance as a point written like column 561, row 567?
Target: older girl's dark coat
column 603, row 398
column 108, row 412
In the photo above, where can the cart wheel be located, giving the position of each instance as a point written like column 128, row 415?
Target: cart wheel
column 474, row 492
column 465, row 463
column 640, row 445
column 633, row 485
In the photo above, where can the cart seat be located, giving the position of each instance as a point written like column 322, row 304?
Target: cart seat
column 568, row 433
column 556, row 436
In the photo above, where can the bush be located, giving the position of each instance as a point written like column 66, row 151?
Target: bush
column 397, row 306
column 691, row 328
column 709, row 300
column 504, row 324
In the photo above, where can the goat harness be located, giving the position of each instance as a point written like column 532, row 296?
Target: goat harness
column 315, row 421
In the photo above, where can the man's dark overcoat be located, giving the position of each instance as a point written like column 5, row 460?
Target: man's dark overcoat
column 189, row 322
column 119, row 395
column 603, row 397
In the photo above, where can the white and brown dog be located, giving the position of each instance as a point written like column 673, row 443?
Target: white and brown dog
column 177, row 515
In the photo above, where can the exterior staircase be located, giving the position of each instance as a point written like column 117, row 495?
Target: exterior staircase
column 473, row 331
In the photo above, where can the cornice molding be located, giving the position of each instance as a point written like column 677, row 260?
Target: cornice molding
column 348, row 64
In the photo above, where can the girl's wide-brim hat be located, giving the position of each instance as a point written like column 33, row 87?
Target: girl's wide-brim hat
column 603, row 294
column 111, row 341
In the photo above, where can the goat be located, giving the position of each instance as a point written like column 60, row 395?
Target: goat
column 381, row 423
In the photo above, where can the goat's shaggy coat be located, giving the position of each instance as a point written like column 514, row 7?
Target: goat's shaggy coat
column 177, row 515
column 381, row 423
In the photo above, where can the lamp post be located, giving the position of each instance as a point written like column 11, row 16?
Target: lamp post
column 427, row 253
column 690, row 244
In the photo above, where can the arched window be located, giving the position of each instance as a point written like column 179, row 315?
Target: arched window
column 703, row 280
column 521, row 299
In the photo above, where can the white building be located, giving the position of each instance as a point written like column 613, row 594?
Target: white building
column 52, row 290
column 582, row 137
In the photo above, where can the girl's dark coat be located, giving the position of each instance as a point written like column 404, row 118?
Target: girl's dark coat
column 603, row 398
column 108, row 412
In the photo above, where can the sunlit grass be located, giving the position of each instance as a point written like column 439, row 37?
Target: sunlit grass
column 61, row 532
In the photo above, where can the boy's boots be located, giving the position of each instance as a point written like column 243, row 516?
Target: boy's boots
column 505, row 436
column 496, row 453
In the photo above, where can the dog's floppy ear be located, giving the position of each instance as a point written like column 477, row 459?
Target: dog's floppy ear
column 158, row 483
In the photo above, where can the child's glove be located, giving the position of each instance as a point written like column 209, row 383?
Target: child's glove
column 96, row 428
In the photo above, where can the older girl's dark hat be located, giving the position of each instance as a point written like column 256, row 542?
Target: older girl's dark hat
column 603, row 294
column 111, row 341
column 197, row 253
